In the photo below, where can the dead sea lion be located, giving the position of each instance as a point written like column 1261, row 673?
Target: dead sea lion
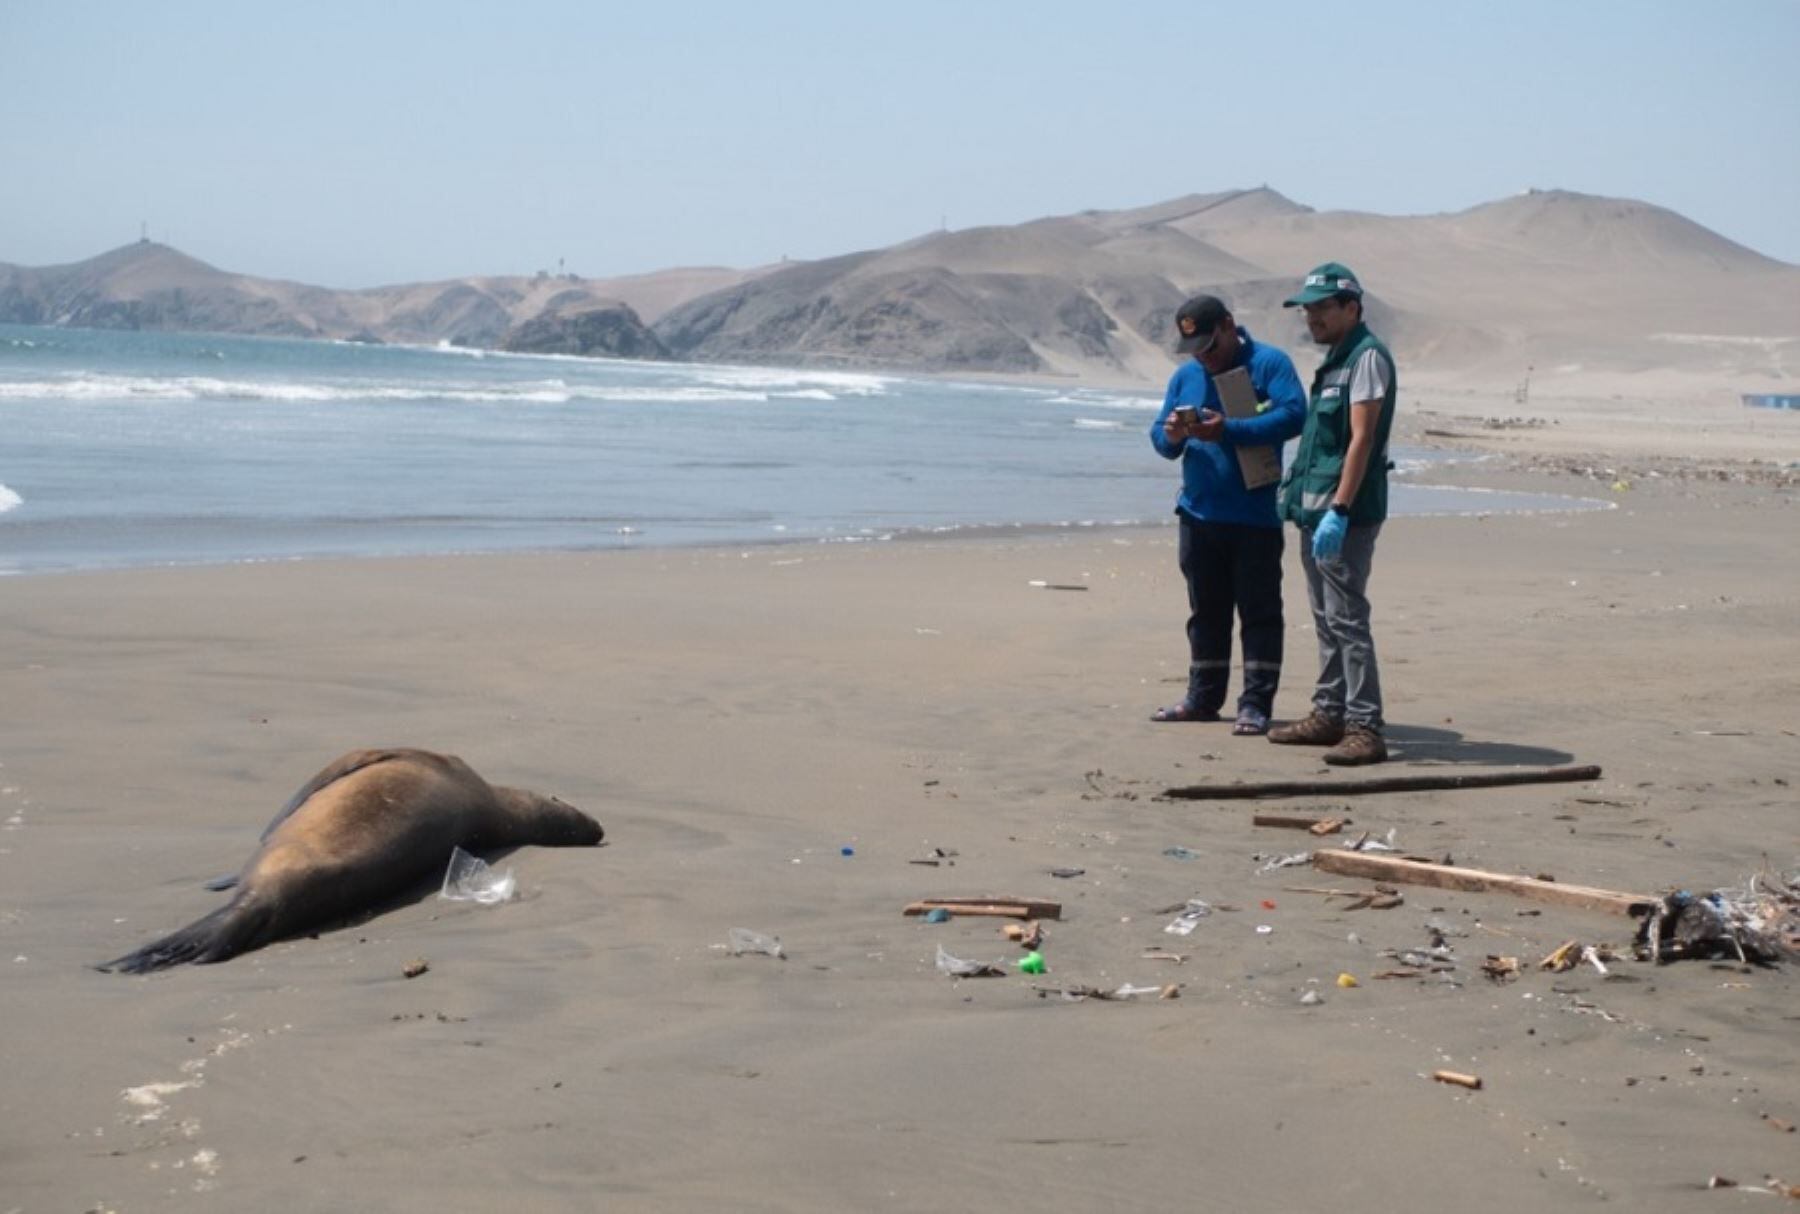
column 371, row 825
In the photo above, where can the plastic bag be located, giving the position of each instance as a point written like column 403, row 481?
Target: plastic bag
column 469, row 879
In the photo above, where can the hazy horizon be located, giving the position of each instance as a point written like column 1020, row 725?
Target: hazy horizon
column 352, row 148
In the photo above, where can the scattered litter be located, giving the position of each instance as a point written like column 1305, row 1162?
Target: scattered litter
column 846, row 850
column 937, row 914
column 1075, row 994
column 1370, row 844
column 1004, row 905
column 1311, row 999
column 938, row 855
column 1759, row 922
column 1029, row 935
column 1382, row 897
column 1067, row 872
column 1263, row 929
column 741, row 940
column 1180, row 853
column 1184, row 923
column 1500, row 969
column 1347, row 981
column 415, row 967
column 1042, row 585
column 1157, row 954
column 1291, row 861
column 1032, row 963
column 1472, row 1082
column 469, row 879
column 956, row 967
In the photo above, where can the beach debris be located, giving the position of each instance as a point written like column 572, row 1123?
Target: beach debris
column 741, row 940
column 1758, row 923
column 1038, row 584
column 1440, row 960
column 956, row 967
column 1158, row 954
column 1005, row 906
column 1563, row 957
column 1459, row 1079
column 938, row 856
column 1189, row 917
column 1288, row 861
column 1474, row 880
column 1307, row 822
column 1027, row 935
column 469, row 879
column 1032, row 963
column 1382, row 897
column 415, row 967
column 1066, row 873
column 1500, row 969
column 1771, row 1185
column 1411, row 783
column 1181, row 853
column 1311, row 999
column 1366, row 842
column 1118, row 994
column 937, row 914
column 1347, row 981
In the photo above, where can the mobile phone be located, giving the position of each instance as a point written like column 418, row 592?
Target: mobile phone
column 1187, row 413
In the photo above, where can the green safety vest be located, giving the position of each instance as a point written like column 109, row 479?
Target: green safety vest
column 1312, row 479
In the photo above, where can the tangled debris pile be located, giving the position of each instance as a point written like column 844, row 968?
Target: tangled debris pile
column 1758, row 922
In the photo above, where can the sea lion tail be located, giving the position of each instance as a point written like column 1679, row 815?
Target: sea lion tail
column 220, row 936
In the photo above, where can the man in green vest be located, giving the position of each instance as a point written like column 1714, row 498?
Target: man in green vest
column 1336, row 490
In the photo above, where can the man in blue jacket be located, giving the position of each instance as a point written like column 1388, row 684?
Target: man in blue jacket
column 1231, row 539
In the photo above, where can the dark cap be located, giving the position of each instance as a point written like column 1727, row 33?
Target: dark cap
column 1195, row 321
column 1326, row 282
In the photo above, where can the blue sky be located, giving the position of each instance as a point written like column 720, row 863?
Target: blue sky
column 353, row 145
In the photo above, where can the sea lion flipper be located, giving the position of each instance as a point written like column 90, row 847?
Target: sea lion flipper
column 220, row 936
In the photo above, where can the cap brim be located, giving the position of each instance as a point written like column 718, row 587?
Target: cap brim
column 1310, row 295
column 1196, row 343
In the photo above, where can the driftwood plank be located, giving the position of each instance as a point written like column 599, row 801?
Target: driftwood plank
column 1002, row 905
column 1475, row 881
column 1351, row 788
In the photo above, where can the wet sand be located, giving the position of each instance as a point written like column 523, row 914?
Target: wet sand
column 771, row 736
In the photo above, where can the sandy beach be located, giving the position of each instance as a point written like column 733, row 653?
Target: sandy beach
column 773, row 736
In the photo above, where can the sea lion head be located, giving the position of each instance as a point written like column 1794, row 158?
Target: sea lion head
column 532, row 818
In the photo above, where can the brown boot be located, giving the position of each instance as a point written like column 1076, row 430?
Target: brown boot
column 1361, row 745
column 1316, row 730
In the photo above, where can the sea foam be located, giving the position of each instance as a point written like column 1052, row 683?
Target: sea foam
column 9, row 500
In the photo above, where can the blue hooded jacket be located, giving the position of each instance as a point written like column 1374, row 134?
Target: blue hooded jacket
column 1212, row 487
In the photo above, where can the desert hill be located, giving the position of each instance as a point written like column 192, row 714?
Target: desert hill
column 1546, row 281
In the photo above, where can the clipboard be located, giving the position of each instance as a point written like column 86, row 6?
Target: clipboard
column 1260, row 465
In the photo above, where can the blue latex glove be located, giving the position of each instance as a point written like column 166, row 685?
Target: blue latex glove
column 1328, row 536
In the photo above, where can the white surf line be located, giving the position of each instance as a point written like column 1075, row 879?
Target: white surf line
column 148, row 1103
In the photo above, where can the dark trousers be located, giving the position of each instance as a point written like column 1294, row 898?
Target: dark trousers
column 1231, row 568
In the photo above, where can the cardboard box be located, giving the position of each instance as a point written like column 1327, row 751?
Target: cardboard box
column 1260, row 465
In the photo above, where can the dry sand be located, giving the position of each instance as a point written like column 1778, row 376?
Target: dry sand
column 737, row 718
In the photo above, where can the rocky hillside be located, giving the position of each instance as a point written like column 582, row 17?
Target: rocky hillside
column 1546, row 280
column 151, row 286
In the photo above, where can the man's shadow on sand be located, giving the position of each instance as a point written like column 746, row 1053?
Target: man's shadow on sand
column 1426, row 745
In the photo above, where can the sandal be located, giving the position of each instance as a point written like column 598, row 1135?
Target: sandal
column 1250, row 723
column 1184, row 712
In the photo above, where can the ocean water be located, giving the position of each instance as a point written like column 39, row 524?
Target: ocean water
column 134, row 449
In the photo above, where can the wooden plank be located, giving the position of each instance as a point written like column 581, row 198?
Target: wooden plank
column 1318, row 826
column 1475, row 881
column 1409, row 783
column 1010, row 907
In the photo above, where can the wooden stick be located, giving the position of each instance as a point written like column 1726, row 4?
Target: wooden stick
column 1012, row 908
column 1318, row 826
column 1474, row 880
column 1472, row 1082
column 1351, row 788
